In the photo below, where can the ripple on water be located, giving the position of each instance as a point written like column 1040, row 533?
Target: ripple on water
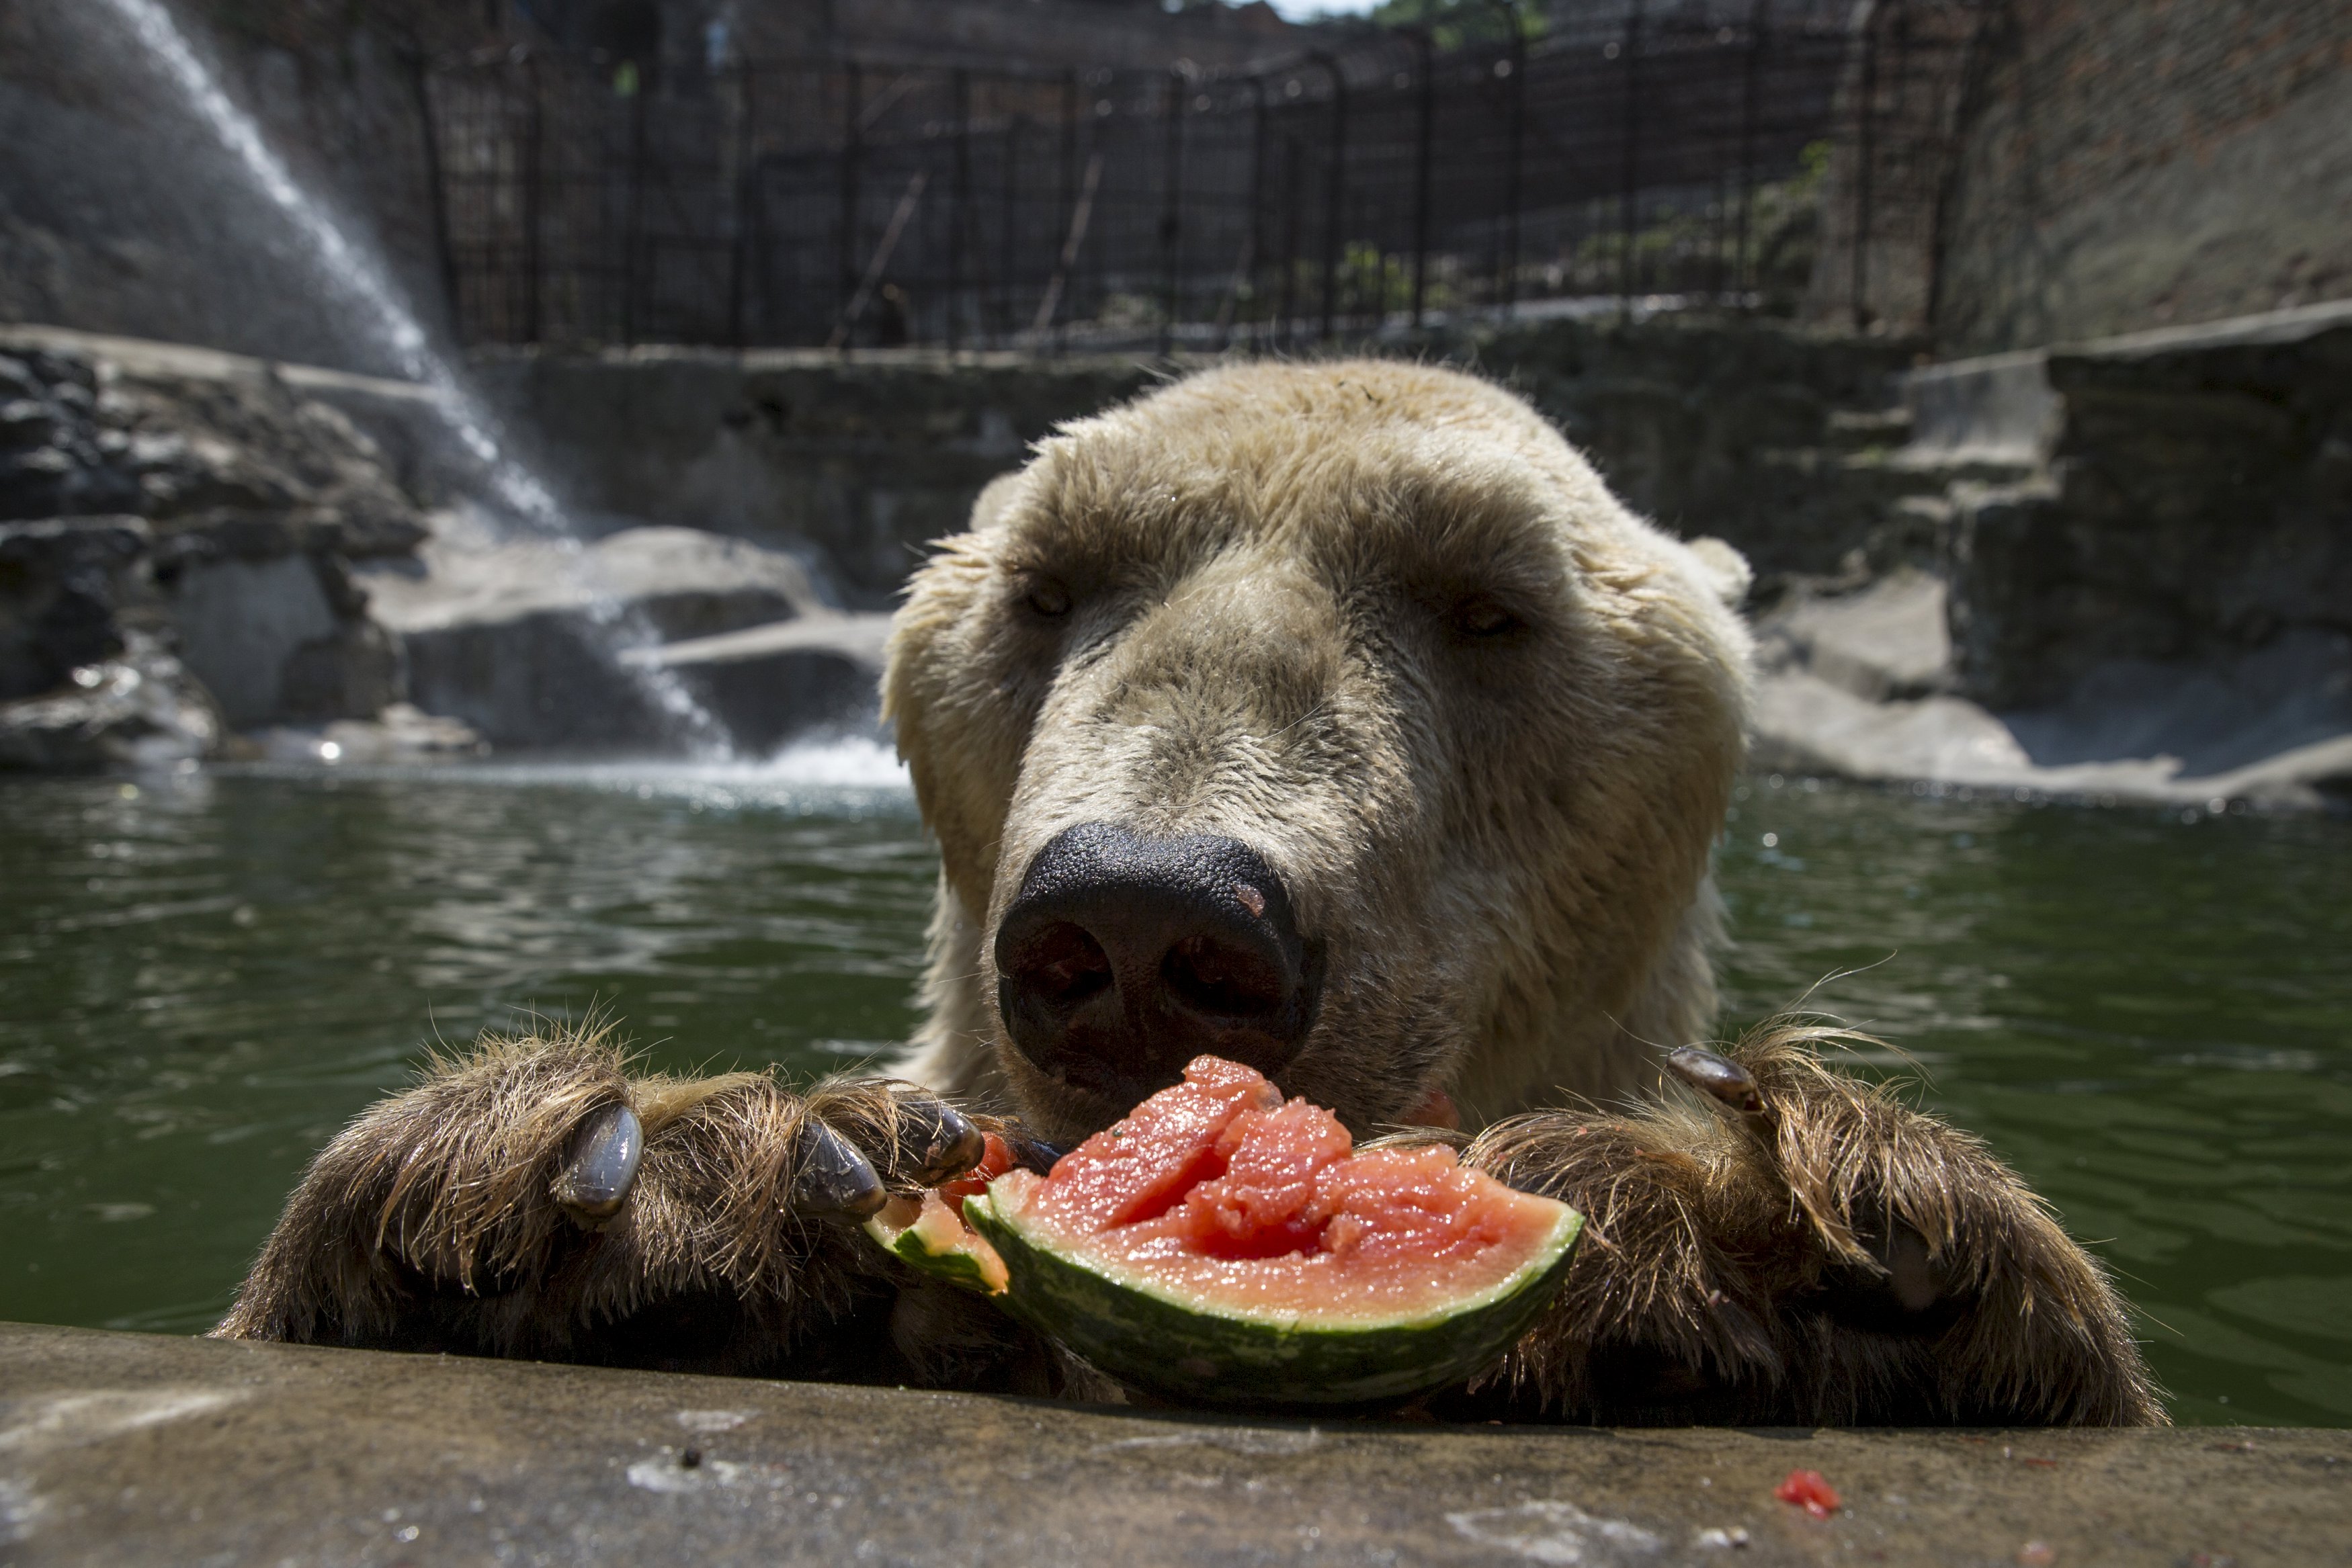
column 2150, row 1019
column 200, row 982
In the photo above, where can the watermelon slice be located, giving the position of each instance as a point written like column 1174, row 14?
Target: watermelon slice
column 927, row 1232
column 1222, row 1246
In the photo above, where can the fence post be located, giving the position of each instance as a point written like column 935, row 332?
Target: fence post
column 736, row 258
column 1065, row 269
column 1517, row 198
column 1171, row 206
column 1752, row 69
column 1866, row 153
column 1335, row 192
column 852, row 133
column 1629, row 199
column 636, row 209
column 1288, row 316
column 1246, row 270
column 1907, row 150
column 1506, row 262
column 1423, row 130
column 535, row 155
column 1008, row 224
column 437, row 191
column 959, row 205
column 1069, row 184
column 892, row 231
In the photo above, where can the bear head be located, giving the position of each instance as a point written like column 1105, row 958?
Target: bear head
column 1330, row 716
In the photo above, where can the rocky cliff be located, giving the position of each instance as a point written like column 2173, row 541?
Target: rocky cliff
column 176, row 555
column 2117, row 569
column 2137, row 583
column 196, row 548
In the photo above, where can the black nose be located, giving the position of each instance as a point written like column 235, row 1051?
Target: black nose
column 1123, row 957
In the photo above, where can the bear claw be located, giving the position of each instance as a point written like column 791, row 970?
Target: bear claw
column 601, row 1166
column 936, row 1141
column 833, row 1180
column 1717, row 1077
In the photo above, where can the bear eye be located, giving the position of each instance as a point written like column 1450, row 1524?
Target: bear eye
column 1481, row 616
column 1045, row 595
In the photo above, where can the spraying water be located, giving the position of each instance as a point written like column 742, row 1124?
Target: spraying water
column 393, row 326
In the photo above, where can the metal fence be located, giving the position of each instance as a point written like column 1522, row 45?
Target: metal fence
column 869, row 203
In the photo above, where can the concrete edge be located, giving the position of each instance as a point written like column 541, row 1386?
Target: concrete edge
column 130, row 1449
column 152, row 357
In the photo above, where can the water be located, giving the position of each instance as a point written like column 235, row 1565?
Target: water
column 200, row 981
column 518, row 498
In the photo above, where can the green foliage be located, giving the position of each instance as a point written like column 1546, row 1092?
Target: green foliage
column 1368, row 282
column 1455, row 23
column 1377, row 283
column 1696, row 249
column 1813, row 168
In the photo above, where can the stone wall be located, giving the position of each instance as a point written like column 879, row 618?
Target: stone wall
column 2127, row 166
column 862, row 462
column 165, row 515
column 2119, row 553
column 120, row 214
column 156, row 1450
column 2196, row 507
column 2072, row 168
column 1767, row 435
column 2140, row 585
column 1777, row 439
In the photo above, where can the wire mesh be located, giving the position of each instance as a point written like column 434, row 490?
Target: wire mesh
column 870, row 202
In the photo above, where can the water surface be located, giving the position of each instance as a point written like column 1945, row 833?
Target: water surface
column 200, row 981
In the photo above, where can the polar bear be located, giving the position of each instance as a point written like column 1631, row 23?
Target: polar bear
column 1333, row 717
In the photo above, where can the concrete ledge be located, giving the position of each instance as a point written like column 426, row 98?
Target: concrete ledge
column 2002, row 406
column 1999, row 408
column 129, row 1449
column 153, row 357
column 2262, row 329
column 769, row 684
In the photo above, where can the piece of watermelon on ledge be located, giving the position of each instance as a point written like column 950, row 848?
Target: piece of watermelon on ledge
column 1224, row 1247
column 928, row 1231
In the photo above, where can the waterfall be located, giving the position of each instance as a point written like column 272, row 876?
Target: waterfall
column 520, row 497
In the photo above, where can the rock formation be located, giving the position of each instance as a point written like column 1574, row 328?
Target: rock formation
column 2136, row 584
column 202, row 554
column 178, row 558
column 544, row 643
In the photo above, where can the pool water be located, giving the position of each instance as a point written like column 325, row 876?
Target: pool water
column 200, row 980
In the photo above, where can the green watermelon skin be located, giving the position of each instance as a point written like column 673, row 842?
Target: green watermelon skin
column 955, row 1268
column 1197, row 1354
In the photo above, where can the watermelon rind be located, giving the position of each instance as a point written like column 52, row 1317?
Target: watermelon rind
column 957, row 1266
column 1198, row 1353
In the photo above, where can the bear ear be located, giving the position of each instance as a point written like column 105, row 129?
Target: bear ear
column 993, row 500
column 1725, row 568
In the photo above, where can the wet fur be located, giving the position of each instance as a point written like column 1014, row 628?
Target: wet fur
column 1734, row 1274
column 431, row 1223
column 1506, row 847
column 1726, row 1277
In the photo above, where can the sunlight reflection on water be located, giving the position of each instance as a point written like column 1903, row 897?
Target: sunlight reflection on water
column 199, row 982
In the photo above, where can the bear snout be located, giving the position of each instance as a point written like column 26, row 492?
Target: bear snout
column 1123, row 957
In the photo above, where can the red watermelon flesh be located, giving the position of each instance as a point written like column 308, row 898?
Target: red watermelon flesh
column 1219, row 1191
